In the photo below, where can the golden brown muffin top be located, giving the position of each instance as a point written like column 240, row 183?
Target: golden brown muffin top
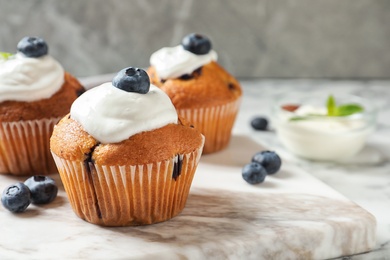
column 209, row 85
column 57, row 105
column 71, row 142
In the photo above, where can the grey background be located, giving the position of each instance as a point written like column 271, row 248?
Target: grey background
column 254, row 39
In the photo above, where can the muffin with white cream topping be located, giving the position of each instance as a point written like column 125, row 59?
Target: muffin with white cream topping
column 201, row 90
column 123, row 154
column 35, row 92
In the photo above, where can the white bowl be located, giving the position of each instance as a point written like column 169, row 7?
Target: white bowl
column 325, row 138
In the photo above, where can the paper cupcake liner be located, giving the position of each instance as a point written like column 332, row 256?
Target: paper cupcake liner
column 215, row 123
column 24, row 147
column 128, row 195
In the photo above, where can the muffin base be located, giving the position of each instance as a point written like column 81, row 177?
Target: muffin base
column 25, row 147
column 215, row 123
column 128, row 195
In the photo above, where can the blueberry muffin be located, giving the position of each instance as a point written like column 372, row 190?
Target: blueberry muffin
column 201, row 90
column 124, row 156
column 35, row 92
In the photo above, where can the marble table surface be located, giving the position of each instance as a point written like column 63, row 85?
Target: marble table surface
column 310, row 210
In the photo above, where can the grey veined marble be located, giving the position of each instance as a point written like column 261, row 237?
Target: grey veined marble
column 290, row 216
column 254, row 38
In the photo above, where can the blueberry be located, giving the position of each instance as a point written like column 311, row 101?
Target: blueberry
column 32, row 47
column 269, row 160
column 254, row 173
column 16, row 197
column 132, row 80
column 259, row 123
column 196, row 43
column 43, row 189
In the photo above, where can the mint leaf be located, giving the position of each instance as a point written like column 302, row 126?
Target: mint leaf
column 331, row 106
column 349, row 109
column 5, row 55
column 342, row 110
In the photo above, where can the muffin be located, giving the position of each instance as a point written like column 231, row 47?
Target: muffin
column 123, row 154
column 35, row 93
column 201, row 90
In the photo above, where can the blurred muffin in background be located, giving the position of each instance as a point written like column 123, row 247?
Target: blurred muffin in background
column 35, row 92
column 201, row 90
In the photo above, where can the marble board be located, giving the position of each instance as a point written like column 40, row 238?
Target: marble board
column 292, row 215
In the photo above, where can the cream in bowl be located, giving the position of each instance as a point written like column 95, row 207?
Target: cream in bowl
column 324, row 127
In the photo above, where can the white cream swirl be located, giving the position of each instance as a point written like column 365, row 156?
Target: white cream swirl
column 173, row 62
column 112, row 115
column 29, row 79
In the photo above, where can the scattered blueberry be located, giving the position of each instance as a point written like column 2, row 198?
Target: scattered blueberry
column 259, row 123
column 132, row 80
column 196, row 43
column 43, row 189
column 16, row 197
column 32, row 47
column 254, row 173
column 269, row 160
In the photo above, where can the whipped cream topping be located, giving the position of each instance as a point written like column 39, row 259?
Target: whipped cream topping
column 305, row 110
column 29, row 79
column 112, row 115
column 173, row 62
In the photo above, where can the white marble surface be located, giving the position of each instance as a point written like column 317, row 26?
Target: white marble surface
column 306, row 211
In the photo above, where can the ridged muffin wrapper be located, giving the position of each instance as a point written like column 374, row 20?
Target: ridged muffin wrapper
column 128, row 195
column 215, row 123
column 25, row 149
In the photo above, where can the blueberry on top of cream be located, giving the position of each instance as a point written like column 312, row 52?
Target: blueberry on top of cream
column 32, row 47
column 194, row 52
column 114, row 111
column 132, row 80
column 31, row 74
column 196, row 43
